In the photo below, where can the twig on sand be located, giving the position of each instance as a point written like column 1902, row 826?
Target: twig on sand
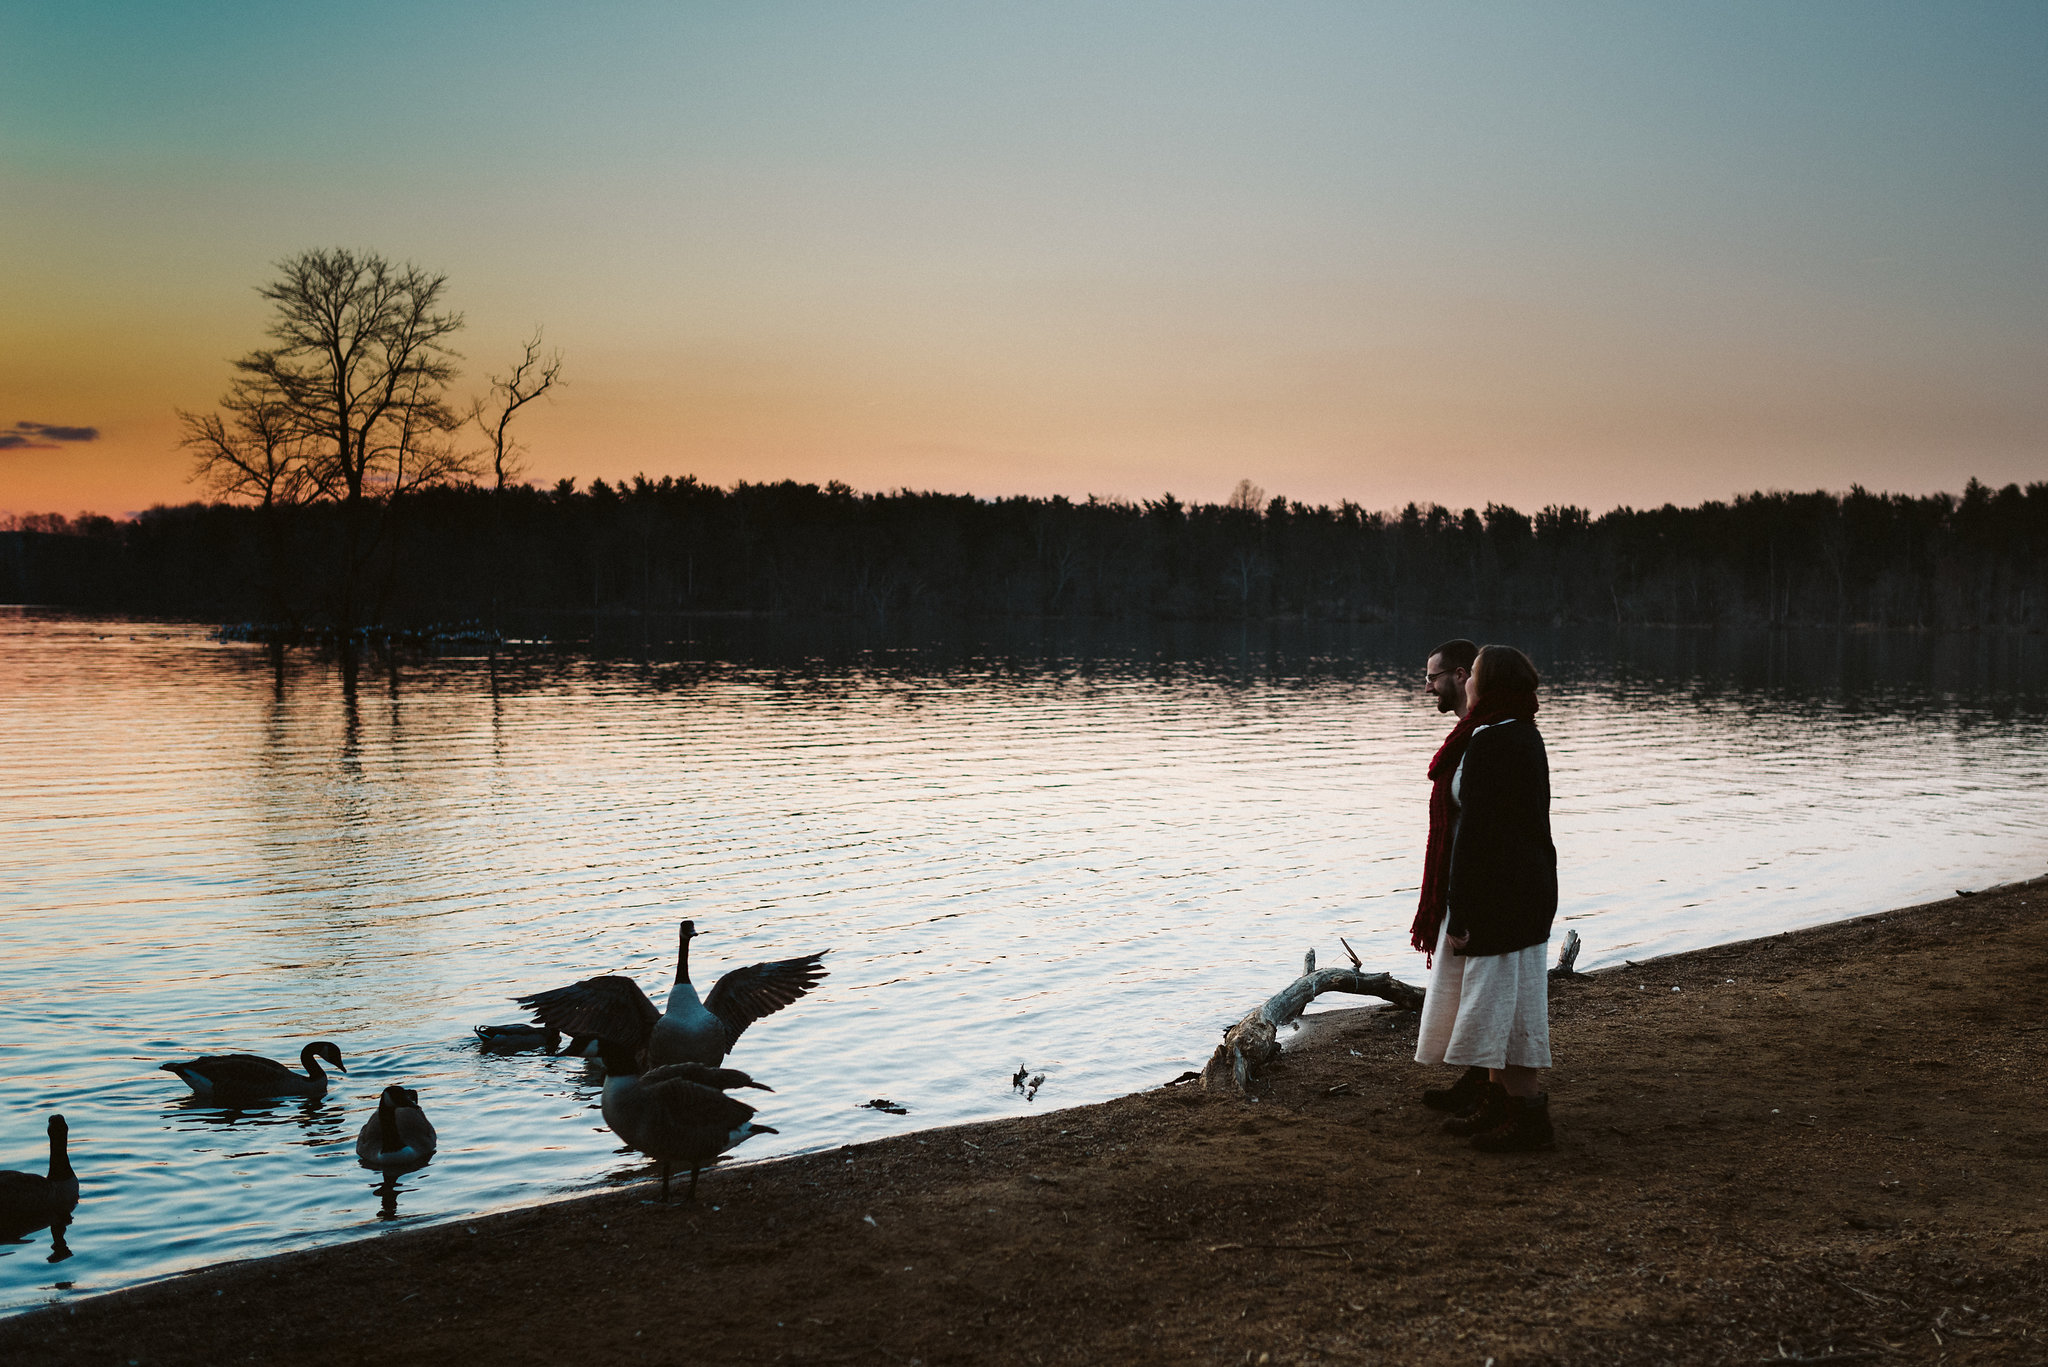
column 1320, row 1250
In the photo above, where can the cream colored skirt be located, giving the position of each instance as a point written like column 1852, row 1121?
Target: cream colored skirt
column 1491, row 1011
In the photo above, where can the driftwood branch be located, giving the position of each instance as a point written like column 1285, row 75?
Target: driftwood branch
column 1254, row 1042
column 1567, row 956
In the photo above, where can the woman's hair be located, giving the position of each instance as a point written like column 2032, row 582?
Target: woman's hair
column 1503, row 669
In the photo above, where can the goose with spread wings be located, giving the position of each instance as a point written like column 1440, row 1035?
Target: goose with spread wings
column 691, row 1030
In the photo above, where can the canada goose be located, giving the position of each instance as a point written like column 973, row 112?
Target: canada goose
column 28, row 1201
column 614, row 1008
column 246, row 1077
column 678, row 1113
column 516, row 1039
column 398, row 1136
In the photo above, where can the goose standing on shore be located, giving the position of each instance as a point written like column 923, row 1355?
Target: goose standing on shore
column 678, row 1113
column 28, row 1200
column 691, row 1030
column 247, row 1077
column 398, row 1136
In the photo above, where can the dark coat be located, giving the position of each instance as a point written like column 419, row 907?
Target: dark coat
column 1503, row 866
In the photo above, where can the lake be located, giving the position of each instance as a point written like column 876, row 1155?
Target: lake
column 1082, row 849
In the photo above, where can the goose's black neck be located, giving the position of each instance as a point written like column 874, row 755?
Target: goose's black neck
column 683, row 951
column 387, row 1126
column 60, row 1153
column 310, row 1061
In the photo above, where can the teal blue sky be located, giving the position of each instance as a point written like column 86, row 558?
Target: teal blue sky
column 1586, row 253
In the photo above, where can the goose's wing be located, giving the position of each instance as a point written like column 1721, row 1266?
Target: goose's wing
column 245, row 1073
column 612, row 1007
column 745, row 995
column 19, row 1189
column 724, row 1079
column 415, row 1129
column 532, row 1034
column 678, row 1104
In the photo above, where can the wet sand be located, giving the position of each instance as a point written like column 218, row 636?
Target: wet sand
column 1830, row 1145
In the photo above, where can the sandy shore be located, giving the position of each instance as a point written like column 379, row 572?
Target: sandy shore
column 1826, row 1146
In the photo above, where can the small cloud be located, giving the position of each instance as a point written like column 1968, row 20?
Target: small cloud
column 43, row 436
column 56, row 433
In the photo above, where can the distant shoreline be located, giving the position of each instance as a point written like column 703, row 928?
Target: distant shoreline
column 924, row 626
column 454, row 552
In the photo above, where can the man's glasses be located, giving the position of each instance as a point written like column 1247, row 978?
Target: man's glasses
column 1428, row 678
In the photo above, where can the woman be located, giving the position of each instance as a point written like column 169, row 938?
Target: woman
column 1488, row 1004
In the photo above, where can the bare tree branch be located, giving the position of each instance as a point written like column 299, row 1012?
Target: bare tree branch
column 533, row 376
column 250, row 449
column 417, row 450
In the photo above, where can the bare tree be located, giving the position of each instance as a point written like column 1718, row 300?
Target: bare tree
column 251, row 448
column 360, row 366
column 532, row 377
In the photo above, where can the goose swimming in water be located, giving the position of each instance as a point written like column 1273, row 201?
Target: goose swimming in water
column 613, row 1008
column 246, row 1077
column 516, row 1039
column 28, row 1200
column 678, row 1113
column 398, row 1136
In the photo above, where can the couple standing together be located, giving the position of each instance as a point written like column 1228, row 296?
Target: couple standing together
column 1489, row 892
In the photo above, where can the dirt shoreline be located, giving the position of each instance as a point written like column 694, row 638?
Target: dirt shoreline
column 1829, row 1145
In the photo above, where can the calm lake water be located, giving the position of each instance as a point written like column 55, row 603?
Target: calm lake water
column 1082, row 851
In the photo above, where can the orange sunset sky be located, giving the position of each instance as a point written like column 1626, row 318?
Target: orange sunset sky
column 1597, row 254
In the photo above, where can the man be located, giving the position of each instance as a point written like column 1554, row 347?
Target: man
column 1447, row 675
column 1447, row 672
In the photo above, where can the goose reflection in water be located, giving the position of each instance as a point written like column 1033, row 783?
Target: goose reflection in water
column 387, row 1190
column 321, row 1120
column 59, row 1250
column 12, row 1235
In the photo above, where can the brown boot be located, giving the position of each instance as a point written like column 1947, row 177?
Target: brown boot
column 1524, row 1126
column 1492, row 1110
column 1462, row 1097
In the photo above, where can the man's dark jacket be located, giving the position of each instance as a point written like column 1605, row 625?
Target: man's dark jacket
column 1503, row 866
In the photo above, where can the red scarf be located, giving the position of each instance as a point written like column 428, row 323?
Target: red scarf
column 1436, row 861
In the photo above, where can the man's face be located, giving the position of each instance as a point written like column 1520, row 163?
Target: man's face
column 1446, row 685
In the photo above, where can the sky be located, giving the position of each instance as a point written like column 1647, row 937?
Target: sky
column 1576, row 253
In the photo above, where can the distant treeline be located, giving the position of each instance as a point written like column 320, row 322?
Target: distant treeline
column 1979, row 559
